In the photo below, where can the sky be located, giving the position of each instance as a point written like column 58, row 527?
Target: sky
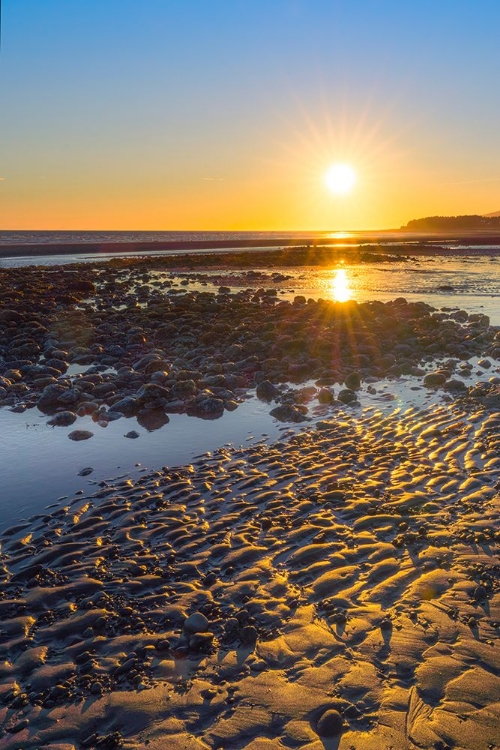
column 227, row 114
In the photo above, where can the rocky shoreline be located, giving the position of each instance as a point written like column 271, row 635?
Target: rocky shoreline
column 145, row 348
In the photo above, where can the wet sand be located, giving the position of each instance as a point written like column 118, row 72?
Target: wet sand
column 336, row 588
column 350, row 568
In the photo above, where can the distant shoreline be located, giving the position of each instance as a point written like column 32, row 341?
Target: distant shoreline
column 185, row 246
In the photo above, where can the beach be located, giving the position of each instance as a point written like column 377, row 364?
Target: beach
column 333, row 583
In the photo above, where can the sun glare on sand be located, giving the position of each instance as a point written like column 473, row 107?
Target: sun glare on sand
column 340, row 179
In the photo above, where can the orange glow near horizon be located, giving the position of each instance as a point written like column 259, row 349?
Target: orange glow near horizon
column 279, row 186
column 275, row 182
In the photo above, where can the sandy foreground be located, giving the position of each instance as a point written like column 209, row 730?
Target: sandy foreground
column 336, row 589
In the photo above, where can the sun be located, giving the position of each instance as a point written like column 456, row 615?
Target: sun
column 340, row 179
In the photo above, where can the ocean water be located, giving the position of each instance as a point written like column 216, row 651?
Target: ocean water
column 71, row 237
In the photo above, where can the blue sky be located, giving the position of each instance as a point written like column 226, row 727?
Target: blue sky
column 114, row 113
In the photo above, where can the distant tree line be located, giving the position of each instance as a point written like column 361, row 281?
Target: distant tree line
column 439, row 223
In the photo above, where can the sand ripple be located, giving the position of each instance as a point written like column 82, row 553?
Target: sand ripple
column 353, row 567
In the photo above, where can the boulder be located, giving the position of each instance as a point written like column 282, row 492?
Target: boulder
column 266, row 390
column 62, row 419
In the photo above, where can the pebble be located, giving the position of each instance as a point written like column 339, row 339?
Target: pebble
column 78, row 435
column 330, row 724
column 196, row 623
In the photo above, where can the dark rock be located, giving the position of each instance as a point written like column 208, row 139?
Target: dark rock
column 62, row 419
column 50, row 395
column 266, row 390
column 353, row 381
column 346, row 396
column 201, row 641
column 454, row 386
column 128, row 406
column 434, row 379
column 196, row 623
column 480, row 594
column 325, row 396
column 184, row 388
column 287, row 413
column 151, row 392
column 210, row 407
column 330, row 724
column 80, row 435
column 248, row 635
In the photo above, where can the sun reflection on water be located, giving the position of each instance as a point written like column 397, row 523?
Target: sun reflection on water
column 339, row 235
column 341, row 291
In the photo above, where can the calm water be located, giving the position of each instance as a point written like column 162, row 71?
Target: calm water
column 40, row 465
column 44, row 238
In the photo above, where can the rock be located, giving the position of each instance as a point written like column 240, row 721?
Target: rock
column 434, row 379
column 248, row 635
column 353, row 381
column 210, row 407
column 69, row 397
column 266, row 390
column 80, row 435
column 79, row 285
column 57, row 364
column 287, row 413
column 210, row 381
column 330, row 724
column 156, row 365
column 50, row 395
column 132, row 434
column 184, row 388
column 151, row 392
column 201, row 641
column 346, row 396
column 480, row 320
column 62, row 419
column 174, row 407
column 85, row 472
column 492, row 400
column 325, row 396
column 480, row 594
column 454, row 386
column 125, row 667
column 196, row 623
column 128, row 406
column 112, row 415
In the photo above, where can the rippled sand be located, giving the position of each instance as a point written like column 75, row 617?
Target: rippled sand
column 351, row 567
